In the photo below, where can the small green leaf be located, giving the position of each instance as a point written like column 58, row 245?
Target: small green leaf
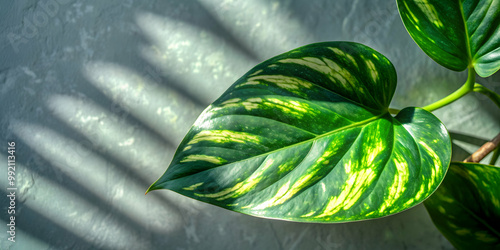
column 456, row 33
column 307, row 136
column 466, row 207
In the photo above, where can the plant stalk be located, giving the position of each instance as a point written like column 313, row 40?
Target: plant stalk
column 490, row 94
column 394, row 111
column 484, row 150
column 459, row 93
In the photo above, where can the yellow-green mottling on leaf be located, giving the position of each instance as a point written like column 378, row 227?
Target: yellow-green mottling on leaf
column 307, row 136
column 456, row 34
column 466, row 207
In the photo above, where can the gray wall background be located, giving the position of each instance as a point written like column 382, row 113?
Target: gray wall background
column 98, row 94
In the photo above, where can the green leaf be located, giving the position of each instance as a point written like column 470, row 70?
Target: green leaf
column 456, row 33
column 306, row 136
column 466, row 207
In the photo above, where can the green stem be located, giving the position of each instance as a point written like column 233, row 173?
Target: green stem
column 494, row 158
column 394, row 111
column 485, row 91
column 459, row 93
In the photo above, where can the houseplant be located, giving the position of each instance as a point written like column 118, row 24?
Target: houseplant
column 309, row 136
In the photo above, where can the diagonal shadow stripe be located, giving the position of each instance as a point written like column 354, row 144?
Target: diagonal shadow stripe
column 467, row 138
column 50, row 232
column 122, row 168
column 205, row 21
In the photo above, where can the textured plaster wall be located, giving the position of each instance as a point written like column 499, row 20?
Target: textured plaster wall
column 98, row 94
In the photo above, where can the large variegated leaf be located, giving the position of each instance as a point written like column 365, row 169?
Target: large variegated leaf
column 456, row 33
column 306, row 136
column 466, row 207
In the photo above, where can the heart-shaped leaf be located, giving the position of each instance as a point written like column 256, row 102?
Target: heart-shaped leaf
column 456, row 33
column 306, row 136
column 466, row 207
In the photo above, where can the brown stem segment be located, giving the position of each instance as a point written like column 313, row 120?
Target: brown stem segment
column 484, row 150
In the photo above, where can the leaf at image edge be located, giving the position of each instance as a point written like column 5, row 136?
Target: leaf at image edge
column 466, row 207
column 456, row 33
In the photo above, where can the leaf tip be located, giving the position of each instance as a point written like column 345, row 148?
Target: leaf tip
column 151, row 188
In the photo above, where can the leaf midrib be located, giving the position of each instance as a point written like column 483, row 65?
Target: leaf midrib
column 479, row 219
column 470, row 60
column 357, row 124
column 361, row 123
